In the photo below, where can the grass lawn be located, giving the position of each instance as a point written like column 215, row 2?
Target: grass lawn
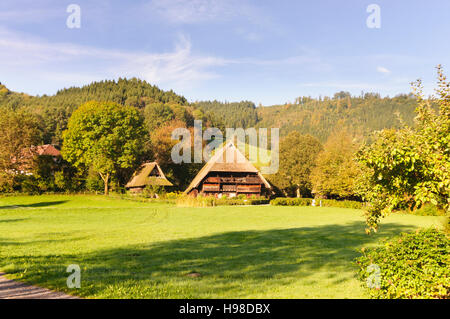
column 128, row 249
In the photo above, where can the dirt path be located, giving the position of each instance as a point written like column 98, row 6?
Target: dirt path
column 10, row 289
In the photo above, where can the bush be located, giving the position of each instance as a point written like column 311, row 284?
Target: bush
column 154, row 191
column 28, row 184
column 94, row 183
column 207, row 201
column 426, row 210
column 6, row 182
column 172, row 195
column 283, row 201
column 413, row 265
column 342, row 203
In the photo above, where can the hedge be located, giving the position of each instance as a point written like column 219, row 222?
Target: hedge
column 283, row 201
column 207, row 201
column 342, row 203
column 426, row 210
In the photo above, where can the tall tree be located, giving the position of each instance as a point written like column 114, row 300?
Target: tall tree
column 411, row 166
column 335, row 170
column 297, row 158
column 104, row 136
column 19, row 129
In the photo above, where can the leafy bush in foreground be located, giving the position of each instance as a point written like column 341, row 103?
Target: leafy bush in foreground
column 413, row 265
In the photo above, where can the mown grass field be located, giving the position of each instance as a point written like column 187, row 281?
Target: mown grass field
column 128, row 249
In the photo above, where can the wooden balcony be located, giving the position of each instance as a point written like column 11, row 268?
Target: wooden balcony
column 248, row 188
column 211, row 187
column 234, row 180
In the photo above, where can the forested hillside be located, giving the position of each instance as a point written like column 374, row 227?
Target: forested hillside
column 237, row 114
column 55, row 110
column 319, row 117
column 361, row 115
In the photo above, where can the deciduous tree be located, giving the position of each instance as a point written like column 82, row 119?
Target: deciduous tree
column 105, row 136
column 335, row 170
column 411, row 166
column 297, row 158
column 18, row 130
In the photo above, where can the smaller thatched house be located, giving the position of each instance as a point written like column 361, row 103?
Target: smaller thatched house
column 149, row 174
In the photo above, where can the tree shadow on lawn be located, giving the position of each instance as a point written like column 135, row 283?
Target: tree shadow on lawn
column 245, row 261
column 35, row 205
column 12, row 220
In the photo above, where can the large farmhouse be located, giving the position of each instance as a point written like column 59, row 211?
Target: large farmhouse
column 228, row 173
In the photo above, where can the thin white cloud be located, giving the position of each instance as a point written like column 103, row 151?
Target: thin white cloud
column 383, row 70
column 179, row 67
column 200, row 11
column 73, row 64
column 30, row 11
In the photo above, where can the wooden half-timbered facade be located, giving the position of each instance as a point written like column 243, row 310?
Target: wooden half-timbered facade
column 229, row 173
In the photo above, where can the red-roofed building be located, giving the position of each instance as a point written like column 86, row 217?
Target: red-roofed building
column 28, row 156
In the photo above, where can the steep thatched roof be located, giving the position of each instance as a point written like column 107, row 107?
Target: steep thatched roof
column 226, row 159
column 142, row 178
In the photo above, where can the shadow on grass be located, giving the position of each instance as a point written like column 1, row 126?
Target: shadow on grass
column 233, row 262
column 35, row 205
column 12, row 220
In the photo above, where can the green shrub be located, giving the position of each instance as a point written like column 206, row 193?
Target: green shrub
column 6, row 182
column 94, row 183
column 154, row 191
column 341, row 203
column 425, row 210
column 284, row 201
column 173, row 195
column 413, row 265
column 29, row 184
column 207, row 201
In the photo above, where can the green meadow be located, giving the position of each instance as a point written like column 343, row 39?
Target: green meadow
column 129, row 249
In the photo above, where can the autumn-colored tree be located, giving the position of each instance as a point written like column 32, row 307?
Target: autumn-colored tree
column 104, row 136
column 335, row 170
column 161, row 144
column 297, row 158
column 19, row 129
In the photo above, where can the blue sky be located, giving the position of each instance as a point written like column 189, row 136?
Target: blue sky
column 269, row 52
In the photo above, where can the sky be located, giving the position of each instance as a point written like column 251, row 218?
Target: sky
column 268, row 52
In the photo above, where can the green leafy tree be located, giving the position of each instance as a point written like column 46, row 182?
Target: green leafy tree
column 335, row 170
column 297, row 158
column 104, row 136
column 411, row 166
